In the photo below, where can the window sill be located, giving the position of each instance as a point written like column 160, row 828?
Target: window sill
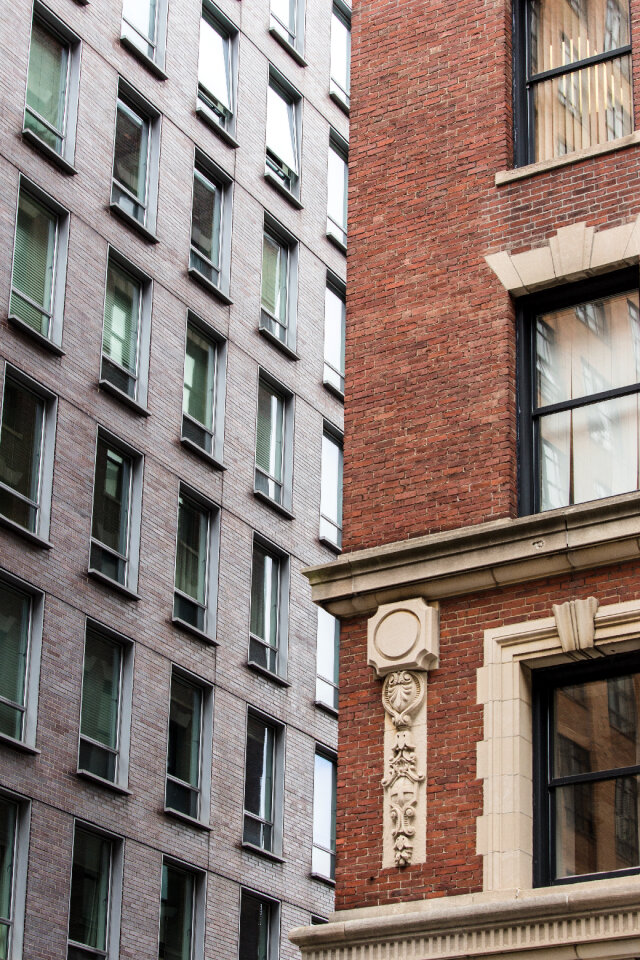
column 208, row 285
column 331, row 544
column 541, row 166
column 334, row 390
column 280, row 187
column 202, row 453
column 259, row 495
column 100, row 782
column 185, row 818
column 189, row 628
column 326, row 708
column 142, row 57
column 50, row 154
column 108, row 582
column 109, row 387
column 277, row 342
column 289, row 47
column 332, row 238
column 261, row 852
column 321, row 877
column 269, row 674
column 337, row 99
column 27, row 534
column 132, row 222
column 41, row 340
column 20, row 745
column 203, row 114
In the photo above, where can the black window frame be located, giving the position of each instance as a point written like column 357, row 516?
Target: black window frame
column 557, row 298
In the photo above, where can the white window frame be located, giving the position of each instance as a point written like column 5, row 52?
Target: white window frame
column 293, row 43
column 330, row 756
column 285, row 505
column 219, row 344
column 224, row 183
column 125, row 696
column 55, row 26
column 224, row 126
column 139, row 400
column 275, row 911
column 279, row 747
column 54, row 341
column 319, row 702
column 330, row 373
column 282, row 635
column 268, row 325
column 129, row 97
column 333, row 435
column 114, row 908
column 20, row 868
column 198, row 915
column 132, row 559
column 40, row 535
column 335, row 231
column 34, row 656
column 206, row 740
column 287, row 181
column 341, row 11
column 213, row 563
column 155, row 63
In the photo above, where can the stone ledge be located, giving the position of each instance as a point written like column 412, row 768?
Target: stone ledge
column 482, row 557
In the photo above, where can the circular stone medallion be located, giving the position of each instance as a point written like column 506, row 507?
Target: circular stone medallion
column 396, row 634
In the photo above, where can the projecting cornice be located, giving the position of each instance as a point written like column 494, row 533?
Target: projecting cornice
column 481, row 557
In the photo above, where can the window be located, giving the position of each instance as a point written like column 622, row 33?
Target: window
column 96, row 888
column 578, row 382
column 323, row 858
column 182, row 912
column 21, row 615
column 134, row 189
column 14, row 845
column 204, row 389
column 189, row 748
column 269, row 608
column 337, row 185
column 340, row 84
column 144, row 30
column 586, row 783
column 105, row 718
column 259, row 926
column 334, row 335
column 274, row 434
column 328, row 646
column 52, row 87
column 573, row 79
column 263, row 770
column 331, row 489
column 287, row 26
column 209, row 260
column 39, row 264
column 283, row 134
column 279, row 294
column 115, row 527
column 194, row 599
column 27, row 434
column 217, row 71
column 126, row 332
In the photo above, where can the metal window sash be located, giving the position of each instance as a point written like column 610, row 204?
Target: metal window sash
column 269, row 476
column 93, row 950
column 115, row 750
column 258, row 819
column 203, row 606
column 97, row 743
column 85, row 948
column 123, row 105
column 263, row 642
column 213, row 103
column 113, row 553
column 114, row 363
column 198, row 787
column 188, row 786
column 13, row 703
column 292, row 35
column 54, row 263
column 15, row 493
column 62, row 133
column 219, row 193
column 576, row 65
column 594, row 776
column 329, row 850
column 148, row 40
column 589, row 400
column 198, row 424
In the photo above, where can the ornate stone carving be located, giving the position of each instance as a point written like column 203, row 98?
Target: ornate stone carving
column 403, row 635
column 575, row 622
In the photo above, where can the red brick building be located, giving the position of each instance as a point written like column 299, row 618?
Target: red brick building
column 490, row 574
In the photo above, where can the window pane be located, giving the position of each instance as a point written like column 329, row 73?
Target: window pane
column 8, row 819
column 130, row 160
column 214, row 68
column 564, row 32
column 328, row 643
column 47, row 87
column 340, row 52
column 111, row 498
column 269, row 434
column 121, row 324
column 285, row 13
column 334, row 336
column 337, row 190
column 34, row 263
column 205, row 226
column 90, row 880
column 258, row 782
column 199, row 377
column 275, row 263
column 20, row 453
column 15, row 616
column 265, row 592
column 255, row 921
column 141, row 15
column 183, row 755
column 324, row 816
column 331, row 490
column 100, row 704
column 176, row 913
column 281, row 134
column 191, row 555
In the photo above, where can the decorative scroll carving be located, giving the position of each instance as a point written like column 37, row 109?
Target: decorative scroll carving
column 575, row 622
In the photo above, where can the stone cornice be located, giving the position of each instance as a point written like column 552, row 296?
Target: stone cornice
column 481, row 557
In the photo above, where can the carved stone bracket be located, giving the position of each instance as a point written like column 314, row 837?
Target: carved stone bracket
column 575, row 622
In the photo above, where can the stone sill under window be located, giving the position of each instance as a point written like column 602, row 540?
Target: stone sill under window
column 205, row 116
column 189, row 628
column 264, row 498
column 108, row 582
column 50, row 154
column 20, row 745
column 38, row 338
column 130, row 221
column 185, row 818
column 269, row 674
column 277, row 184
column 277, row 342
column 142, row 57
column 27, row 534
column 331, row 544
column 338, row 394
column 261, row 852
column 326, row 708
column 111, row 388
column 289, row 47
column 321, row 877
column 208, row 285
column 101, row 782
column 337, row 99
column 542, row 166
column 202, row 453
column 335, row 240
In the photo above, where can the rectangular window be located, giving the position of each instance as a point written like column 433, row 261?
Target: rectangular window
column 52, row 87
column 269, row 614
column 579, row 381
column 283, row 134
column 334, row 335
column 573, row 78
column 126, row 331
column 263, row 784
column 217, row 69
column 96, row 881
column 323, row 858
column 144, row 28
column 279, row 292
column 328, row 647
column 182, row 911
column 39, row 264
column 116, row 512
column 259, row 926
column 26, row 453
column 340, row 85
column 14, row 844
column 204, row 389
column 134, row 188
column 194, row 598
column 273, row 444
column 210, row 226
column 331, row 489
column 21, row 610
column 337, row 187
column 184, row 750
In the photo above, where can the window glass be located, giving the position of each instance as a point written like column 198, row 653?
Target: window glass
column 334, row 337
column 176, row 913
column 34, row 264
column 331, row 490
column 281, row 132
column 8, row 821
column 340, row 54
column 191, row 563
column 131, row 162
column 265, row 598
column 275, row 267
column 122, row 310
column 15, row 622
column 139, row 24
column 100, row 706
column 21, row 438
column 324, row 817
column 89, row 903
column 111, row 499
column 214, row 67
column 328, row 644
column 255, row 927
column 259, row 783
column 200, row 368
column 269, row 442
column 183, row 754
column 283, row 14
column 47, row 87
column 205, row 226
column 337, row 194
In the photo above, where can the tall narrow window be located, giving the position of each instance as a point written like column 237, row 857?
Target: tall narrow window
column 217, row 68
column 191, row 596
column 331, row 490
column 259, row 917
column 101, row 701
column 265, row 608
column 90, row 902
column 131, row 162
column 259, row 783
column 328, row 646
column 184, row 749
column 121, row 330
column 140, row 26
column 210, row 226
column 15, row 624
column 275, row 271
column 283, row 156
column 8, row 837
column 203, row 394
column 323, row 859
column 334, row 336
column 116, row 512
column 181, row 912
column 337, row 186
column 340, row 55
column 273, row 444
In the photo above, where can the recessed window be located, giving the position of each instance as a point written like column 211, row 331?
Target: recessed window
column 189, row 750
column 334, row 335
column 144, row 28
column 579, row 380
column 106, row 705
column 259, row 926
column 134, row 189
column 279, row 290
column 209, row 260
column 20, row 646
column 182, row 910
column 328, row 647
column 269, row 608
column 273, row 443
column 194, row 600
column 263, row 784
column 340, row 86
column 331, row 489
column 27, row 436
column 323, row 858
column 52, row 87
column 115, row 527
column 96, row 885
column 287, row 25
column 573, row 77
column 14, row 846
column 39, row 264
column 204, row 389
column 283, row 134
column 337, row 188
column 217, row 69
column 126, row 331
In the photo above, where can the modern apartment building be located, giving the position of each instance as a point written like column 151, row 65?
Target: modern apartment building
column 173, row 220
column 489, row 587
